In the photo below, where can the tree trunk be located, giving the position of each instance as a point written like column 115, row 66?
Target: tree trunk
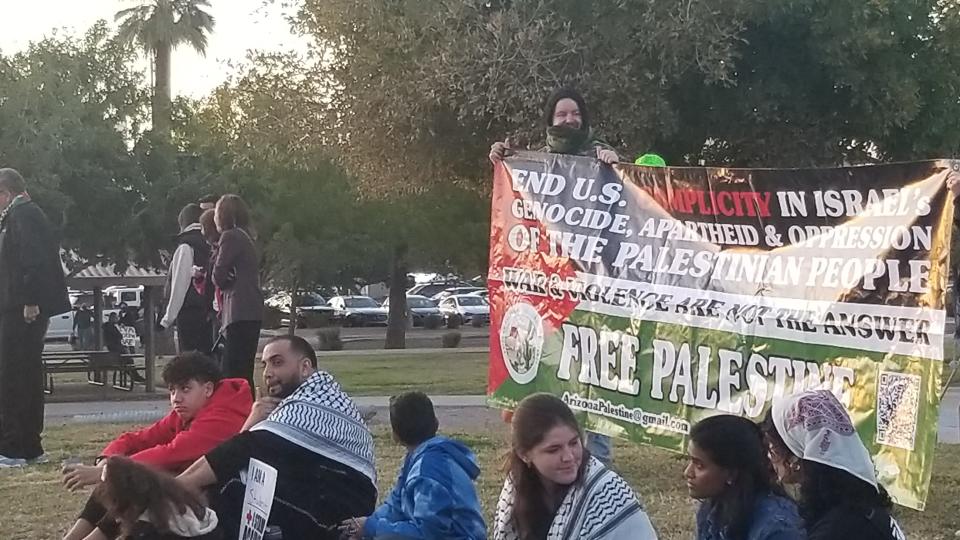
column 397, row 319
column 162, row 94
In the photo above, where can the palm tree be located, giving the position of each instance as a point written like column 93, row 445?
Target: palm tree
column 159, row 26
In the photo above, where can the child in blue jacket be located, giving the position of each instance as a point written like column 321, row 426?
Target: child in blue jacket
column 434, row 497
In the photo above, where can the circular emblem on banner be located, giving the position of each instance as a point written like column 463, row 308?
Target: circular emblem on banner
column 521, row 342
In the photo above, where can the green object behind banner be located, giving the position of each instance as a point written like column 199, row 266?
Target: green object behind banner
column 650, row 160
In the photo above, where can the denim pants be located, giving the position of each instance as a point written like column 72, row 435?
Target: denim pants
column 600, row 447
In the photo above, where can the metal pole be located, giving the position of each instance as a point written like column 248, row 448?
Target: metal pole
column 98, row 318
column 149, row 337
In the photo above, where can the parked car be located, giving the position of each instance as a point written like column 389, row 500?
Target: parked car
column 312, row 310
column 61, row 327
column 466, row 307
column 358, row 311
column 434, row 287
column 454, row 291
column 485, row 294
column 131, row 296
column 423, row 310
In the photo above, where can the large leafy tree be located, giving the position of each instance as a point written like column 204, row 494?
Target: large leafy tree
column 745, row 82
column 422, row 87
column 159, row 26
column 249, row 137
column 270, row 125
column 70, row 107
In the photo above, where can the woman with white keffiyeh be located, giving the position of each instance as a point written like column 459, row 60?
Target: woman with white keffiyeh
column 813, row 444
column 555, row 490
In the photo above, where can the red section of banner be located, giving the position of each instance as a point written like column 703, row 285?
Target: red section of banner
column 537, row 259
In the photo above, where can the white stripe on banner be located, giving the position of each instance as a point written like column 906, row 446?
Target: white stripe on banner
column 911, row 331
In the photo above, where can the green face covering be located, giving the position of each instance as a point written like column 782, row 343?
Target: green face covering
column 566, row 140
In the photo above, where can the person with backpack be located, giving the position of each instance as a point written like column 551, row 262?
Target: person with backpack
column 186, row 308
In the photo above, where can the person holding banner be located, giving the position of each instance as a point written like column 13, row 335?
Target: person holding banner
column 567, row 122
column 729, row 471
column 312, row 432
column 555, row 489
column 813, row 444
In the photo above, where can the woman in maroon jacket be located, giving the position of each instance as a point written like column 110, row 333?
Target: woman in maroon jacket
column 236, row 272
column 205, row 411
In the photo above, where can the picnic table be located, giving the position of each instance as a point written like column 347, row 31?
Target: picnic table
column 96, row 364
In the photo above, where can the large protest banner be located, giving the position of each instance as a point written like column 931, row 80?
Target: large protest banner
column 649, row 298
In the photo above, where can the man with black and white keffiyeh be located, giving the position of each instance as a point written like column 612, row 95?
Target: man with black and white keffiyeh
column 308, row 429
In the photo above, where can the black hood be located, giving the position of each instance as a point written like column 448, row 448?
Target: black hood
column 566, row 93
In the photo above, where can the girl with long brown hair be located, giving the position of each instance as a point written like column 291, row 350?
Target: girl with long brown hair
column 237, row 273
column 151, row 505
column 555, row 490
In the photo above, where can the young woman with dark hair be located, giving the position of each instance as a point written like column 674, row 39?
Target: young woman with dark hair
column 813, row 444
column 150, row 505
column 237, row 273
column 555, row 490
column 730, row 473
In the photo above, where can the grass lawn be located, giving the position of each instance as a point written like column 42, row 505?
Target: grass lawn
column 438, row 373
column 36, row 507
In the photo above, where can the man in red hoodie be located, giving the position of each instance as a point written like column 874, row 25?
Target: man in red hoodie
column 205, row 411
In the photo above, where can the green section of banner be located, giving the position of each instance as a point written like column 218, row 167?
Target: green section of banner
column 671, row 381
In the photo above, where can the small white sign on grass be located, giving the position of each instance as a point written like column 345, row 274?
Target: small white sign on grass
column 261, row 485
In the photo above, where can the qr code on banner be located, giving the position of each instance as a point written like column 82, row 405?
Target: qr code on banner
column 898, row 400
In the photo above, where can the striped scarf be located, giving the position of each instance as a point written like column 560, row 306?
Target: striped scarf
column 602, row 505
column 321, row 417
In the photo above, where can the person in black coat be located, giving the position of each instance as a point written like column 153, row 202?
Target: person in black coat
column 32, row 289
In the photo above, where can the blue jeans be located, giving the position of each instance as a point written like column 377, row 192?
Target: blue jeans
column 600, row 447
column 85, row 339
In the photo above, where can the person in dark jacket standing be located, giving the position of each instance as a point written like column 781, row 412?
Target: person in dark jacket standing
column 236, row 272
column 186, row 306
column 568, row 131
column 32, row 289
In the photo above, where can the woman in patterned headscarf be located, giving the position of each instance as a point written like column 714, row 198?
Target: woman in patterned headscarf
column 813, row 444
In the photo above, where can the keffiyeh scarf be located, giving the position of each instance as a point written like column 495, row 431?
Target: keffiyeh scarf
column 601, row 506
column 320, row 417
